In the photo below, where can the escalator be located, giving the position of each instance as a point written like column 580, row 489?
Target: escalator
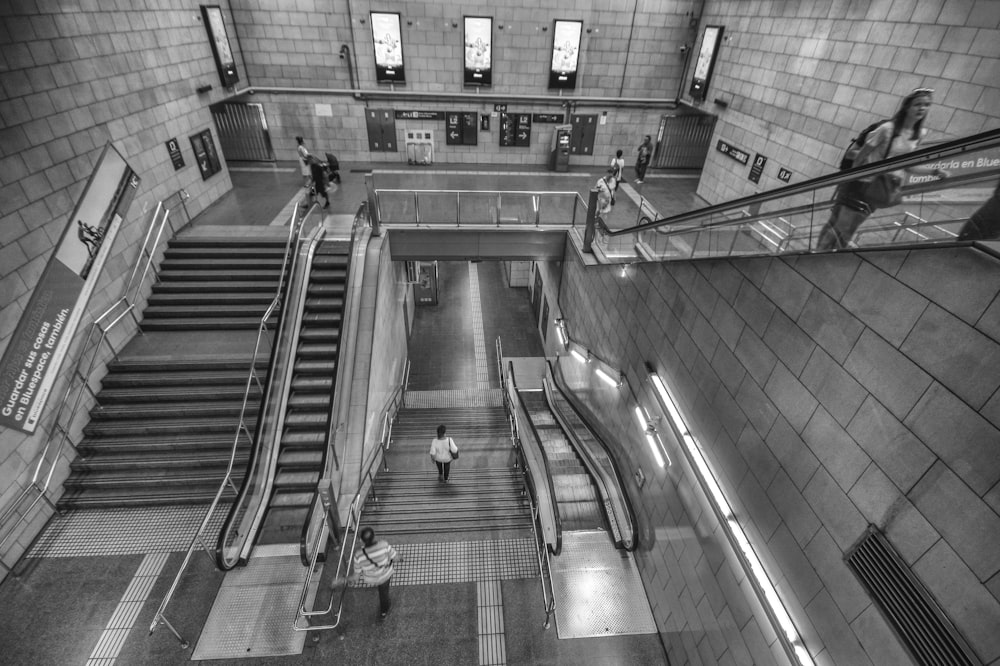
column 302, row 454
column 277, row 504
column 576, row 494
column 583, row 491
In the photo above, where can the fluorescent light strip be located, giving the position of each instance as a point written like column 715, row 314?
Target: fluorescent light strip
column 580, row 357
column 561, row 332
column 608, row 379
column 654, row 447
column 777, row 608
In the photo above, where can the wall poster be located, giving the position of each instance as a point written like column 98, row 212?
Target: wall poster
column 217, row 37
column 388, row 42
column 478, row 51
column 706, row 61
column 565, row 54
column 41, row 340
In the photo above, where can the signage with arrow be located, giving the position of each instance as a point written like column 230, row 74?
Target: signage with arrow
column 453, row 128
column 507, row 130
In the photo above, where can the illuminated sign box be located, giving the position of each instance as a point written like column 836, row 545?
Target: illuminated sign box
column 565, row 54
column 478, row 51
column 388, row 43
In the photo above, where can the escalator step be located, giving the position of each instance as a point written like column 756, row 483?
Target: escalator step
column 291, row 500
column 310, row 401
column 304, row 438
column 300, row 458
column 313, row 351
column 312, row 384
column 318, row 333
column 326, row 368
column 310, row 419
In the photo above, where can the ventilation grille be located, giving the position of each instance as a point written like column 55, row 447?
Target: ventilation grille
column 908, row 606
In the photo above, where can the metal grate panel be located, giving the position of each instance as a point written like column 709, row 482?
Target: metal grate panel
column 909, row 608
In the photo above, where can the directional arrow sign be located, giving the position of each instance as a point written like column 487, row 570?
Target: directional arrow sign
column 453, row 131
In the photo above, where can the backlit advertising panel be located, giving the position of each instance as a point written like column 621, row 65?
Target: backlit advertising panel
column 565, row 54
column 388, row 42
column 478, row 51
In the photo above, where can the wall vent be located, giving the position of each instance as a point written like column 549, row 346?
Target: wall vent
column 907, row 605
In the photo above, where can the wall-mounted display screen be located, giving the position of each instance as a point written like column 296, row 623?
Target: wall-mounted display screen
column 565, row 54
column 224, row 60
column 706, row 61
column 388, row 48
column 478, row 51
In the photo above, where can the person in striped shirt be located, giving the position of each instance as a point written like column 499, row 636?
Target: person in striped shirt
column 373, row 564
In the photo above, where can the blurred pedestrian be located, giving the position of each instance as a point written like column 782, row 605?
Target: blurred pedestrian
column 303, row 160
column 605, row 193
column 645, row 151
column 319, row 183
column 443, row 451
column 618, row 167
column 857, row 200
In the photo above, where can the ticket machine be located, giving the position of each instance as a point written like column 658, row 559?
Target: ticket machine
column 559, row 155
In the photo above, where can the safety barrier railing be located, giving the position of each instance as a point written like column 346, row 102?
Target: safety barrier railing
column 520, row 462
column 242, row 429
column 21, row 509
column 366, row 486
column 946, row 183
column 479, row 208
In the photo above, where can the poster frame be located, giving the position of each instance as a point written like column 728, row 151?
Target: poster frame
column 386, row 71
column 704, row 64
column 472, row 75
column 564, row 78
column 217, row 37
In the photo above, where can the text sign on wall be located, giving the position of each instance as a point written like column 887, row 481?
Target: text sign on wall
column 555, row 118
column 784, row 175
column 740, row 156
column 419, row 115
column 174, row 149
column 758, row 168
column 41, row 340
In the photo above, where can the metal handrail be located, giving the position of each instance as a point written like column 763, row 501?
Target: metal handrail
column 548, row 600
column 938, row 151
column 127, row 301
column 536, row 199
column 367, row 473
column 294, row 228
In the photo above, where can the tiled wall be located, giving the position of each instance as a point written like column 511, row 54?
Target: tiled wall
column 75, row 76
column 803, row 78
column 830, row 392
column 629, row 52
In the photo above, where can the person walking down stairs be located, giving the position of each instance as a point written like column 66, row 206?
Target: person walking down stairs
column 443, row 451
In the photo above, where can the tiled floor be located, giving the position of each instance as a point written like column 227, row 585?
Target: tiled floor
column 69, row 599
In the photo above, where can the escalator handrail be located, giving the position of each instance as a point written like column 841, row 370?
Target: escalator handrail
column 547, row 471
column 625, row 502
column 981, row 141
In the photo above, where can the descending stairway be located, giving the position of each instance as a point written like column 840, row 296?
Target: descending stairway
column 303, row 442
column 484, row 494
column 214, row 283
column 577, row 498
column 163, row 435
column 167, row 413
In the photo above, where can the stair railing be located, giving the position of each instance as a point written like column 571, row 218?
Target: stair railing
column 242, row 430
column 100, row 329
column 367, row 475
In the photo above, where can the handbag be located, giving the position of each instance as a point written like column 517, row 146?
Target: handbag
column 454, row 454
column 884, row 191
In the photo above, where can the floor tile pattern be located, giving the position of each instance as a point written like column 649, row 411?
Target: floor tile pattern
column 476, row 314
column 454, row 398
column 125, row 531
column 465, row 561
column 110, row 643
column 489, row 607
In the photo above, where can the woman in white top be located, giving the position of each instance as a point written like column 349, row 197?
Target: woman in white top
column 303, row 160
column 442, row 450
column 618, row 167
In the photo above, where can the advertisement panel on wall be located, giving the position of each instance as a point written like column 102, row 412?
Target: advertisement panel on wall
column 41, row 340
column 223, row 52
column 388, row 41
column 706, row 61
column 478, row 51
column 565, row 54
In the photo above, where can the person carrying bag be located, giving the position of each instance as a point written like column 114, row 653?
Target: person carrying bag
column 443, row 452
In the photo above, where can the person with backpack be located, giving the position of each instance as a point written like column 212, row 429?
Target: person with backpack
column 855, row 201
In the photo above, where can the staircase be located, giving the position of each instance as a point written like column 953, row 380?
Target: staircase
column 168, row 410
column 577, row 499
column 483, row 497
column 301, row 458
column 211, row 283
